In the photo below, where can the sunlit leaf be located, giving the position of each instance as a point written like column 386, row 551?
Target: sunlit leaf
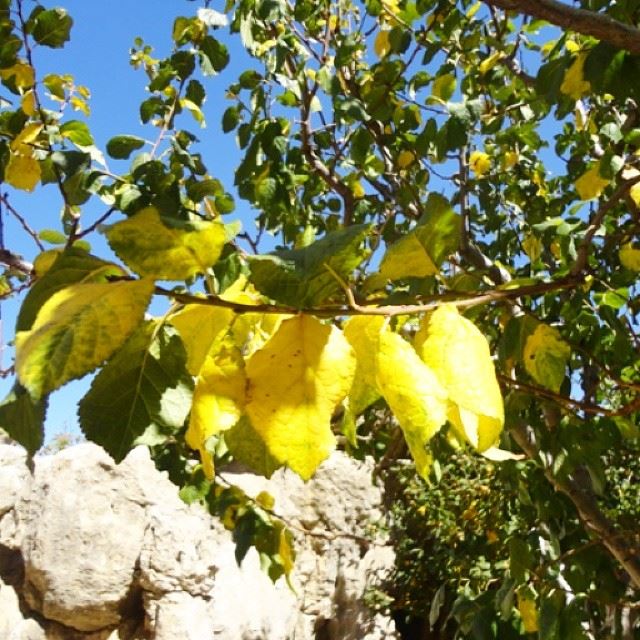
column 218, row 399
column 458, row 354
column 76, row 330
column 413, row 393
column 629, row 257
column 294, row 383
column 545, row 357
column 590, row 184
column 166, row 249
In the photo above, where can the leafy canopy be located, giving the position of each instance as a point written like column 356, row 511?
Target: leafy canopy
column 441, row 211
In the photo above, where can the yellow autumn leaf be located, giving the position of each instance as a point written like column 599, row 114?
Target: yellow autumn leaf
column 528, row 613
column 28, row 103
column 545, row 356
column 456, row 351
column 294, row 384
column 510, row 160
column 574, row 85
column 532, row 246
column 590, row 184
column 382, row 44
column 23, row 170
column 22, row 74
column 177, row 252
column 634, row 193
column 218, row 397
column 629, row 257
column 491, row 61
column 413, row 393
column 479, row 163
column 363, row 334
column 199, row 325
column 406, row 159
column 76, row 330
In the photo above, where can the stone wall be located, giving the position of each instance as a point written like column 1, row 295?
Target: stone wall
column 91, row 550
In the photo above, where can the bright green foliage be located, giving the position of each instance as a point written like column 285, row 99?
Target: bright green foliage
column 445, row 196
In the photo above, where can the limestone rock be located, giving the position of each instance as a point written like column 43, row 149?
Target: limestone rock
column 91, row 550
column 85, row 521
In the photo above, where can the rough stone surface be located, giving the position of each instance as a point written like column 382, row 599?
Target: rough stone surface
column 91, row 550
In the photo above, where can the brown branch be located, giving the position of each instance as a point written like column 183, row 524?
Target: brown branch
column 354, row 309
column 570, row 403
column 15, row 262
column 21, row 219
column 587, row 507
column 595, row 222
column 591, row 23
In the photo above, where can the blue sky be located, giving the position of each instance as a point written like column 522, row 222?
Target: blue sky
column 98, row 57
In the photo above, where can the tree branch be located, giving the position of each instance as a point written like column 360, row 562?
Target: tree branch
column 587, row 507
column 591, row 23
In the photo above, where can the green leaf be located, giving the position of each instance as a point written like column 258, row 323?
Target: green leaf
column 121, row 147
column 145, row 386
column 50, row 27
column 167, row 249
column 77, row 132
column 72, row 266
column 214, row 56
column 23, row 419
column 246, row 446
column 299, row 277
column 77, row 329
column 52, row 236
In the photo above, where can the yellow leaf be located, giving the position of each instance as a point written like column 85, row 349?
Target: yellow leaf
column 590, row 184
column 629, row 257
column 76, row 330
column 178, row 252
column 22, row 171
column 488, row 63
column 382, row 44
column 510, row 159
column 545, row 356
column 199, row 325
column 363, row 334
column 28, row 103
column 528, row 613
column 407, row 258
column 479, row 163
column 406, row 159
column 532, row 246
column 444, row 86
column 294, row 384
column 22, row 74
column 27, row 136
column 634, row 193
column 459, row 355
column 44, row 261
column 218, row 398
column 413, row 393
column 574, row 85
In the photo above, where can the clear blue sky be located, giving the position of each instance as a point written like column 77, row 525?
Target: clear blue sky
column 98, row 57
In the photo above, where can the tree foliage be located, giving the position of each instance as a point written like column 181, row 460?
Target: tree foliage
column 440, row 261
